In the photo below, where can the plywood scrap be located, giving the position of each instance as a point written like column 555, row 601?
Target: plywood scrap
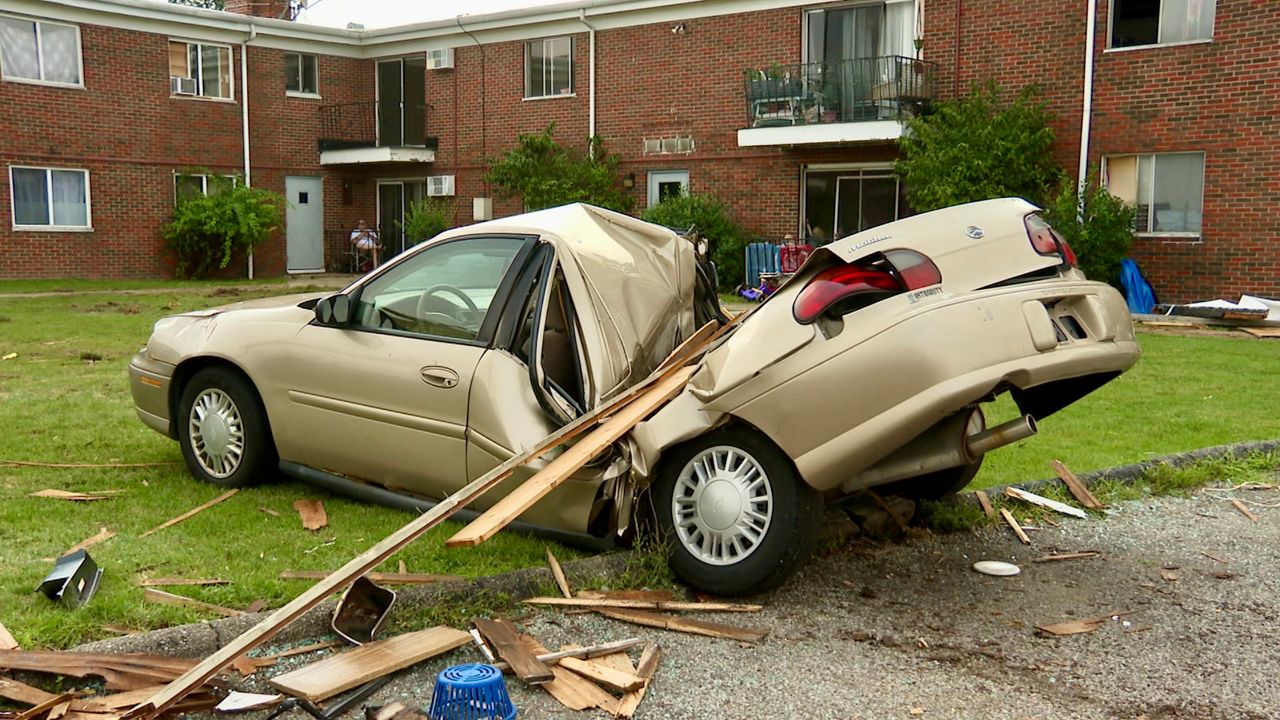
column 19, row 692
column 190, row 513
column 558, row 573
column 243, row 702
column 647, row 595
column 1044, row 502
column 1013, row 523
column 1083, row 555
column 6, row 639
column 611, row 678
column 608, row 649
column 1072, row 627
column 686, row 625
column 570, row 689
column 504, row 639
column 312, row 513
column 103, row 535
column 67, row 495
column 378, row 577
column 1077, row 488
column 666, row 606
column 1262, row 332
column 59, row 710
column 985, row 503
column 341, row 672
column 170, row 581
column 42, row 708
column 646, row 669
column 566, row 463
column 1244, row 510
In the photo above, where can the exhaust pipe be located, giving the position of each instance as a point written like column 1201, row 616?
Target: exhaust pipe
column 950, row 443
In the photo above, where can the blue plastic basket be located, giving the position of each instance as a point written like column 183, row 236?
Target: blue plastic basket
column 474, row 691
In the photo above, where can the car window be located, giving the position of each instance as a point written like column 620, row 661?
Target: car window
column 444, row 291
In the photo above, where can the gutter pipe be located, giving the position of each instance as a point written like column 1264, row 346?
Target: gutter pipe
column 244, row 109
column 591, row 73
column 1086, row 114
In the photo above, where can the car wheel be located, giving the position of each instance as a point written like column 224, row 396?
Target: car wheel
column 738, row 517
column 223, row 429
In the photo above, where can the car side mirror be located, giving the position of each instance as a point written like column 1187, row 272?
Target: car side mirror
column 334, row 311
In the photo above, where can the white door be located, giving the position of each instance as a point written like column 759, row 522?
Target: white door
column 667, row 183
column 304, row 223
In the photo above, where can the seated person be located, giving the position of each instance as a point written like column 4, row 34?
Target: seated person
column 366, row 241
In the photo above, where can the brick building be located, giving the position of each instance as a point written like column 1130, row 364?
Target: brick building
column 788, row 111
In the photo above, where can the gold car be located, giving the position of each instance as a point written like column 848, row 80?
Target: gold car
column 866, row 369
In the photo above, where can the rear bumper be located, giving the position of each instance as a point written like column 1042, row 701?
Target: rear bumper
column 149, row 382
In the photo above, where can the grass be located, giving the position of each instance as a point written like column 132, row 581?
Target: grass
column 57, row 407
column 68, row 285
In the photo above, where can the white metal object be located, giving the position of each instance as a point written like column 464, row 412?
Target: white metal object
column 182, row 86
column 722, row 505
column 997, row 568
column 440, row 59
column 216, row 433
column 439, row 185
column 481, row 209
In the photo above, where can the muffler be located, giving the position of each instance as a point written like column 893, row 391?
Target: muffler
column 981, row 443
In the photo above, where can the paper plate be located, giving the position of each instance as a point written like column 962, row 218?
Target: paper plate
column 995, row 567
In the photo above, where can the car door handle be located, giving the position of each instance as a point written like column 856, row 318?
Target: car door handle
column 439, row 376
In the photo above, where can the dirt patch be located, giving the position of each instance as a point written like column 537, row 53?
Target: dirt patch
column 111, row 306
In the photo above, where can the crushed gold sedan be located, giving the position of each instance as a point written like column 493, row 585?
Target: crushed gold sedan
column 866, row 369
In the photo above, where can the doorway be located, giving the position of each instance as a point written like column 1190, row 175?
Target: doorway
column 402, row 104
column 394, row 198
column 840, row 202
column 304, row 224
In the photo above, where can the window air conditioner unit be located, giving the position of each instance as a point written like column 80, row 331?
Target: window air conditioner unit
column 440, row 185
column 182, row 86
column 440, row 59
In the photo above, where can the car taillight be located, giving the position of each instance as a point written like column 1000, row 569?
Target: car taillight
column 839, row 283
column 1046, row 241
column 916, row 270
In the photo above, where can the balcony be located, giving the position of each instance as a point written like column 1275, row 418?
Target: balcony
column 849, row 101
column 374, row 132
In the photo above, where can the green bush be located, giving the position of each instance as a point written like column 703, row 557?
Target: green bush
column 1101, row 239
column 714, row 222
column 979, row 147
column 207, row 230
column 426, row 218
column 545, row 174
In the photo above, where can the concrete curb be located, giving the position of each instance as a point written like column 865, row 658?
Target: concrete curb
column 204, row 639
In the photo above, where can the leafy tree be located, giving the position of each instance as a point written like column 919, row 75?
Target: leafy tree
column 979, row 147
column 1100, row 231
column 714, row 222
column 546, row 174
column 426, row 218
column 207, row 229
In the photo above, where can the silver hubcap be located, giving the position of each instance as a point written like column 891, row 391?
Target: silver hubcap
column 722, row 505
column 217, row 433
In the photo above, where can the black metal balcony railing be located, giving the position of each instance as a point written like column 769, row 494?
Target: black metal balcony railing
column 372, row 124
column 854, row 90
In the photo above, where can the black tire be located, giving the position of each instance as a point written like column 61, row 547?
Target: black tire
column 935, row 485
column 256, row 460
column 794, row 515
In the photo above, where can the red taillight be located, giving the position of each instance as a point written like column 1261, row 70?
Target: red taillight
column 837, row 283
column 1046, row 241
column 916, row 270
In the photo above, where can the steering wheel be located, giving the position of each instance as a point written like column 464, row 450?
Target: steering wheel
column 424, row 307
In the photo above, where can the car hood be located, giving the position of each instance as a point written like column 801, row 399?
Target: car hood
column 179, row 336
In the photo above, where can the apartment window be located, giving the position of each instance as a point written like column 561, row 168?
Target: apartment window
column 49, row 198
column 1156, row 22
column 199, row 70
column 1167, row 188
column 300, row 76
column 666, row 184
column 839, row 202
column 548, row 67
column 42, row 52
column 187, row 186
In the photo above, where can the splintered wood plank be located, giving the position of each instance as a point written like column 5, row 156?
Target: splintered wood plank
column 331, row 676
column 985, row 503
column 1244, row 510
column 686, row 625
column 66, row 495
column 411, row 531
column 312, row 513
column 611, row 678
column 1262, row 332
column 38, row 710
column 1077, row 488
column 1013, row 523
column 169, row 581
column 304, row 649
column 502, row 635
column 23, row 693
column 191, row 512
column 570, row 689
column 646, row 669
column 6, row 639
column 1083, row 555
column 103, row 534
column 566, row 463
column 558, row 572
column 378, row 577
column 1023, row 495
column 649, row 595
column 166, row 598
column 674, row 606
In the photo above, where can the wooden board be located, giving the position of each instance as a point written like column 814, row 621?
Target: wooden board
column 1013, row 523
column 65, row 495
column 1262, row 332
column 85, row 544
column 312, row 513
column 646, row 668
column 333, row 675
column 1077, row 488
column 570, row 689
column 566, row 463
column 686, row 625
column 985, row 503
column 168, row 581
column 166, row 598
column 611, row 678
column 1243, row 510
column 191, row 512
column 650, row 595
column 1054, row 505
column 378, row 577
column 386, row 547
column 38, row 710
column 558, row 573
column 6, row 639
column 1083, row 555
column 23, row 693
column 668, row 606
column 504, row 639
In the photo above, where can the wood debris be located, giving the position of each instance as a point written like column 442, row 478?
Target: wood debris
column 339, row 673
column 103, row 535
column 268, row 511
column 1244, row 510
column 1082, row 555
column 646, row 595
column 304, row 649
column 1262, row 332
column 168, row 581
column 611, row 678
column 1215, row 558
column 312, row 513
column 875, row 497
column 166, row 598
column 1078, row 627
column 401, row 567
column 985, row 503
column 570, row 689
column 558, row 573
column 646, row 668
column 668, row 606
column 121, row 671
column 504, row 639
column 1077, row 488
column 190, row 513
column 686, row 625
column 47, row 705
column 602, row 650
column 242, row 702
column 1013, row 523
column 1034, row 499
column 6, row 639
column 385, row 578
column 66, row 495
column 1168, row 576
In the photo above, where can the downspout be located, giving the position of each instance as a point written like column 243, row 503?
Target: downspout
column 244, row 108
column 591, row 82
column 955, row 80
column 1087, row 110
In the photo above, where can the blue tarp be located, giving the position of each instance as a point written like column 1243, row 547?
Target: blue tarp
column 1137, row 291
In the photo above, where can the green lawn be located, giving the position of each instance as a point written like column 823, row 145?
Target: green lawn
column 68, row 285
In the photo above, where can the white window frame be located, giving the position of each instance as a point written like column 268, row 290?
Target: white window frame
column 303, row 93
column 48, row 183
column 1111, row 15
column 859, row 169
column 655, row 178
column 199, row 76
column 204, row 182
column 528, row 57
column 40, row 55
column 1151, row 213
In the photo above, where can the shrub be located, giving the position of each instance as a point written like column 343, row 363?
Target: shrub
column 979, row 147
column 426, row 218
column 207, row 230
column 1101, row 234
column 714, row 222
column 545, row 174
